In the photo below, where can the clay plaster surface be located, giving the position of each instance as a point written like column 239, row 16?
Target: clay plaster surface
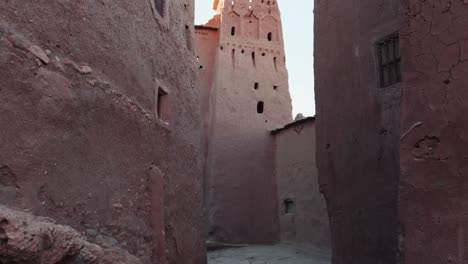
column 79, row 138
column 306, row 222
column 240, row 184
column 433, row 185
column 357, row 129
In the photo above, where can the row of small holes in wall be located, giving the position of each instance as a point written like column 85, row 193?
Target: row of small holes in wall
column 233, row 2
column 253, row 57
column 257, row 86
column 269, row 35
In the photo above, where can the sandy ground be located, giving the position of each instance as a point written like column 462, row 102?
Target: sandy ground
column 277, row 254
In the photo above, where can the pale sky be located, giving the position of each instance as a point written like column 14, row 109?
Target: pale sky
column 297, row 16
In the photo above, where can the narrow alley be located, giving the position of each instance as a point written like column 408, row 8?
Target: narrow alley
column 269, row 255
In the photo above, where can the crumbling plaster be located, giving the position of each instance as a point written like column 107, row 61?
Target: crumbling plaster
column 433, row 153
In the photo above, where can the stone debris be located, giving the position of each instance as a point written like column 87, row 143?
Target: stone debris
column 39, row 53
column 28, row 239
column 83, row 69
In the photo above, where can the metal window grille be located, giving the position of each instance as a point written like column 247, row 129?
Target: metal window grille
column 388, row 51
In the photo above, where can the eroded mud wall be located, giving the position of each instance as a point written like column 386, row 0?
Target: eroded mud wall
column 80, row 138
column 302, row 210
column 251, row 97
column 433, row 185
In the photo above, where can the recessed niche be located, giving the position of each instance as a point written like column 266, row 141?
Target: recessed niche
column 233, row 31
column 253, row 58
column 260, row 107
column 256, row 86
column 162, row 105
column 289, row 206
column 270, row 36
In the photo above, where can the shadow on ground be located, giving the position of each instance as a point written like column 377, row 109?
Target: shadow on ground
column 284, row 254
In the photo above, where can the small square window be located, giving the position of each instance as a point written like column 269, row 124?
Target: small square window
column 163, row 105
column 289, row 206
column 388, row 53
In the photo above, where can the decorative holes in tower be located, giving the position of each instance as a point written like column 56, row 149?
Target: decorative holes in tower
column 260, row 107
column 275, row 64
column 233, row 31
column 253, row 58
column 256, row 86
column 270, row 36
column 388, row 52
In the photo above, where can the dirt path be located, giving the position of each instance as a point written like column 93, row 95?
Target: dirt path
column 278, row 254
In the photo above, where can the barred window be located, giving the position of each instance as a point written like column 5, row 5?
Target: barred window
column 160, row 6
column 388, row 52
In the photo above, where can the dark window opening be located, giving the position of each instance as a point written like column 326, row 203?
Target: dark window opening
column 163, row 105
column 275, row 87
column 233, row 31
column 263, row 54
column 388, row 53
column 256, row 86
column 289, row 206
column 160, row 5
column 260, row 107
column 275, row 64
column 270, row 36
column 253, row 58
column 233, row 57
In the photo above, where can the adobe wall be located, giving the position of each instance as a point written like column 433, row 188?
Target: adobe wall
column 433, row 184
column 206, row 45
column 84, row 147
column 305, row 221
column 357, row 129
column 240, row 182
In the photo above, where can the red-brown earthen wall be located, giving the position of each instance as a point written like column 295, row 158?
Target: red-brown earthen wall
column 302, row 210
column 434, row 144
column 239, row 181
column 82, row 147
column 357, row 129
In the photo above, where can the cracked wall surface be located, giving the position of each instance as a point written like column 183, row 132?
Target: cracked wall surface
column 357, row 129
column 433, row 185
column 80, row 141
